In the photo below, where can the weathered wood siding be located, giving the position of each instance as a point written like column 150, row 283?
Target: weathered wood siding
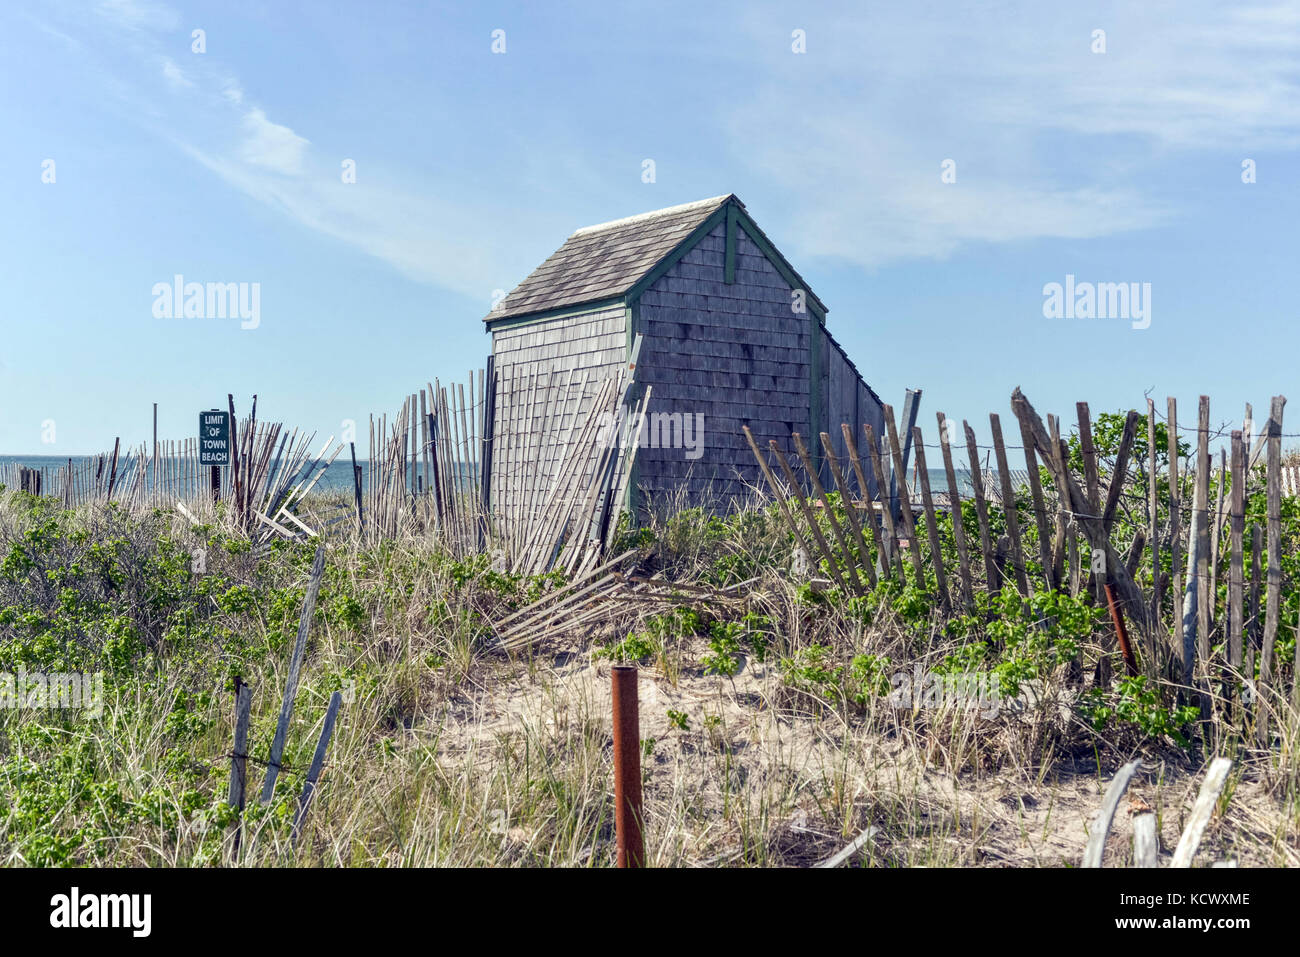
column 547, row 374
column 848, row 399
column 735, row 353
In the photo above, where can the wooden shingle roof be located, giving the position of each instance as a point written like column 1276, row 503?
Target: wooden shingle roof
column 606, row 260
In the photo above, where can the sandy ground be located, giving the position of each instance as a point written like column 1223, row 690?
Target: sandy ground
column 813, row 780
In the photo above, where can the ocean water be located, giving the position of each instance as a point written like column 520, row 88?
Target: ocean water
column 338, row 477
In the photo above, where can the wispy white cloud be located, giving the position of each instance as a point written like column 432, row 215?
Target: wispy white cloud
column 271, row 145
column 140, row 14
column 407, row 229
column 174, row 74
column 1050, row 139
column 210, row 119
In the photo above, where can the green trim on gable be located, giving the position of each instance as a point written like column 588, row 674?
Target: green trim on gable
column 816, row 412
column 632, row 494
column 778, row 261
column 731, row 212
column 729, row 271
column 568, row 312
column 680, row 250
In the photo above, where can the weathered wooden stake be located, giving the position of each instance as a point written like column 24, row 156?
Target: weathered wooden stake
column 1009, row 506
column 831, row 565
column 1202, row 811
column 1236, row 583
column 1273, row 599
column 891, row 538
column 295, row 667
column 850, row 510
column 882, row 564
column 931, row 522
column 627, row 767
column 905, row 509
column 811, row 470
column 1175, row 518
column 954, row 505
column 1204, row 598
column 1146, row 842
column 239, row 754
column 1153, row 530
column 317, row 762
column 991, row 574
column 1096, row 846
column 778, row 494
column 1040, row 508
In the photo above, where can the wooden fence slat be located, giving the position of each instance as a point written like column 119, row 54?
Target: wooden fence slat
column 1236, row 609
column 1089, row 451
column 797, row 491
column 1254, row 630
column 931, row 522
column 850, row 510
column 1153, row 531
column 1216, row 530
column 1202, row 811
column 905, row 497
column 1040, row 508
column 1101, row 822
column 1204, row 598
column 810, row 469
column 1273, row 593
column 991, row 573
column 1120, row 472
column 868, row 501
column 318, row 759
column 778, row 494
column 1009, row 506
column 1175, row 521
column 295, row 667
column 1065, row 543
column 954, row 506
column 891, row 538
column 1146, row 841
column 239, row 756
column 1190, row 598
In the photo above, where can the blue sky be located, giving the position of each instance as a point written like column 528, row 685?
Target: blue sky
column 473, row 166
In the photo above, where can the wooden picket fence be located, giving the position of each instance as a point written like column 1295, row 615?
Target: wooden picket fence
column 1220, row 652
column 431, row 470
column 272, row 471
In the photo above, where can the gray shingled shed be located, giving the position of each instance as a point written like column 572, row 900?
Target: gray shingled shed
column 730, row 333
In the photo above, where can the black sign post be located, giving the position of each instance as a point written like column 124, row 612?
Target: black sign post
column 214, row 444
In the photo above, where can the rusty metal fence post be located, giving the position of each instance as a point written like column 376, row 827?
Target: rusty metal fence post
column 627, row 767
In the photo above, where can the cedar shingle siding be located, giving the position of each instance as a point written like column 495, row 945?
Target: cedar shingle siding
column 547, row 373
column 849, row 399
column 736, row 353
